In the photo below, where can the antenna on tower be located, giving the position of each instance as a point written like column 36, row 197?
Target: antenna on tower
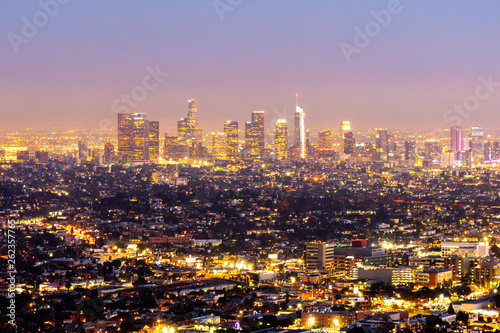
column 297, row 99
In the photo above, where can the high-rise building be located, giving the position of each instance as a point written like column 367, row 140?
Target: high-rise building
column 83, row 151
column 487, row 150
column 174, row 148
column 382, row 145
column 432, row 149
column 258, row 118
column 183, row 129
column 495, row 151
column 219, row 146
column 281, row 139
column 231, row 130
column 192, row 116
column 252, row 139
column 456, row 141
column 466, row 158
column 392, row 147
column 187, row 128
column 344, row 126
column 349, row 143
column 318, row 256
column 410, row 150
column 325, row 139
column 197, row 134
column 154, row 139
column 109, row 153
column 126, row 134
column 133, row 137
column 141, row 137
column 476, row 144
column 300, row 131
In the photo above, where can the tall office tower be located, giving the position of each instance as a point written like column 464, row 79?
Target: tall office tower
column 495, row 151
column 349, row 143
column 392, row 145
column 318, row 256
column 410, row 150
column 476, row 144
column 109, row 153
column 281, row 139
column 300, row 131
column 83, row 151
column 487, row 148
column 466, row 158
column 95, row 156
column 382, row 145
column 432, row 149
column 219, row 146
column 141, row 137
column 252, row 138
column 344, row 126
column 197, row 134
column 258, row 117
column 125, row 137
column 465, row 142
column 325, row 139
column 183, row 129
column 456, row 141
column 154, row 139
column 192, row 116
column 198, row 150
column 231, row 130
column 174, row 149
column 133, row 137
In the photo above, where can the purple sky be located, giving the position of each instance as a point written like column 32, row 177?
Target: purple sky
column 427, row 58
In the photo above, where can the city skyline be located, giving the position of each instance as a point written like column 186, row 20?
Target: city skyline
column 390, row 81
column 158, row 175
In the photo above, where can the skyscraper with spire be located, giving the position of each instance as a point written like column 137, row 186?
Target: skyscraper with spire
column 300, row 131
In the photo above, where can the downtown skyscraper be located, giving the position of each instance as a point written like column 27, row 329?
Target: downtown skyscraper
column 258, row 118
column 300, row 131
column 219, row 146
column 231, row 130
column 349, row 143
column 134, row 137
column 154, row 139
column 344, row 127
column 477, row 144
column 254, row 135
column 456, row 142
column 325, row 139
column 281, row 139
column 382, row 145
column 187, row 128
